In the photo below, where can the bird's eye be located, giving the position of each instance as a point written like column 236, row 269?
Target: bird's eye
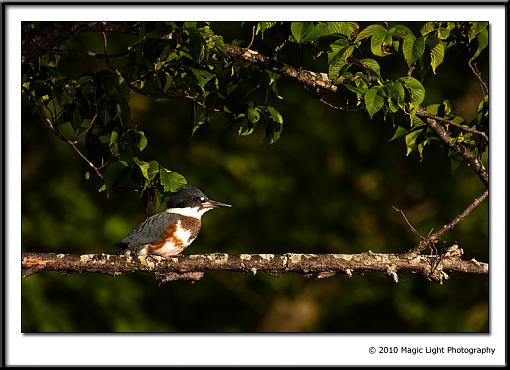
column 202, row 199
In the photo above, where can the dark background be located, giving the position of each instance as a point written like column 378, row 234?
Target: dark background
column 327, row 186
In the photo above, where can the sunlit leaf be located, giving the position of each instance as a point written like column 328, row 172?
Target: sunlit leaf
column 171, row 180
column 373, row 101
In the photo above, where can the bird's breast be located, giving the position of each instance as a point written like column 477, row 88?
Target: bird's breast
column 176, row 237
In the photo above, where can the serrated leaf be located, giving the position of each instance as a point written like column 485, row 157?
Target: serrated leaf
column 428, row 28
column 327, row 29
column 483, row 41
column 300, row 30
column 376, row 42
column 335, row 68
column 475, row 29
column 373, row 101
column 399, row 31
column 153, row 170
column 144, row 167
column 337, row 49
column 437, row 49
column 395, row 90
column 369, row 31
column 415, row 88
column 372, row 65
column 411, row 144
column 356, row 89
column 171, row 180
column 413, row 48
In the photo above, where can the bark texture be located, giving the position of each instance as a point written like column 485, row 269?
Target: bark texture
column 193, row 267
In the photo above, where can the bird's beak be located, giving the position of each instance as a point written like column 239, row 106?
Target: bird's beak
column 214, row 204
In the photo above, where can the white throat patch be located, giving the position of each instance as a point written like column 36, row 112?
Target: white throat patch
column 194, row 212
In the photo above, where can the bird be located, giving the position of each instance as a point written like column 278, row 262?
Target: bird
column 168, row 233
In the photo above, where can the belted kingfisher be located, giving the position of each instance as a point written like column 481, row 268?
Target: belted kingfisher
column 170, row 232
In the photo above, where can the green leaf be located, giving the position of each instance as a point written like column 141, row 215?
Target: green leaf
column 369, row 31
column 483, row 41
column 144, row 167
column 437, row 49
column 373, row 101
column 401, row 131
column 428, row 28
column 263, row 26
column 434, row 109
column 376, row 42
column 415, row 88
column 153, row 170
column 246, row 128
column 274, row 129
column 113, row 173
column 399, row 31
column 300, row 30
column 142, row 140
column 413, row 48
column 475, row 29
column 336, row 67
column 202, row 77
column 443, row 33
column 253, row 115
column 274, row 114
column 171, row 180
column 411, row 141
column 356, row 89
column 338, row 49
column 372, row 65
column 395, row 90
column 327, row 29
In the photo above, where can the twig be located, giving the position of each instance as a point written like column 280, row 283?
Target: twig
column 57, row 133
column 322, row 100
column 478, row 75
column 434, row 238
column 252, row 37
column 192, row 267
column 410, row 225
column 425, row 114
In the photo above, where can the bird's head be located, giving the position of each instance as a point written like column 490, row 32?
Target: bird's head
column 191, row 201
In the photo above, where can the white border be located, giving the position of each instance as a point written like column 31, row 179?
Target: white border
column 248, row 349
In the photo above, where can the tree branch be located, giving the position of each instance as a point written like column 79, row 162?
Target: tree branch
column 317, row 80
column 475, row 164
column 193, row 267
column 434, row 238
column 423, row 113
column 36, row 43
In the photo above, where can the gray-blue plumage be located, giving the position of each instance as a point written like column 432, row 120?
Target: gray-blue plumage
column 150, row 231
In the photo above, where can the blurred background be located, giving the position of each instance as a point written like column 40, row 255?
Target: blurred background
column 327, row 186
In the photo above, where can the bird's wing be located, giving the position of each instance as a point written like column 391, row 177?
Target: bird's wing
column 149, row 231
